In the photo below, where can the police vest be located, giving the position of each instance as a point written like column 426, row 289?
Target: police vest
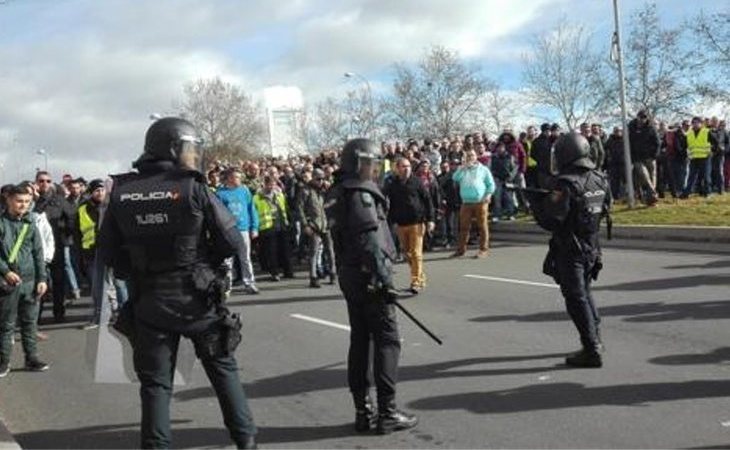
column 266, row 210
column 698, row 146
column 159, row 219
column 87, row 227
column 589, row 199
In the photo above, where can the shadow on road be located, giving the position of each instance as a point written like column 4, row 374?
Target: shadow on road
column 334, row 376
column 718, row 264
column 668, row 283
column 278, row 301
column 127, row 436
column 718, row 356
column 639, row 312
column 572, row 395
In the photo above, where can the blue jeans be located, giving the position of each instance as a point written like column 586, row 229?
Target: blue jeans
column 503, row 201
column 678, row 166
column 73, row 283
column 101, row 279
column 699, row 172
column 718, row 175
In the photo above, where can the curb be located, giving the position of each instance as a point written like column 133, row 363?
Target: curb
column 650, row 237
column 7, row 442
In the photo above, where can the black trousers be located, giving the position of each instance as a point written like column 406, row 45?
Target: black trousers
column 275, row 250
column 155, row 356
column 58, row 284
column 575, row 283
column 370, row 319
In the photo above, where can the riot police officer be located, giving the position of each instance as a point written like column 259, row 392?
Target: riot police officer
column 572, row 211
column 364, row 249
column 166, row 234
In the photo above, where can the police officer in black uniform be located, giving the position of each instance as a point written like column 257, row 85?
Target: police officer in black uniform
column 572, row 211
column 166, row 234
column 364, row 250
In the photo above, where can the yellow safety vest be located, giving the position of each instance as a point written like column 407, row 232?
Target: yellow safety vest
column 87, row 227
column 266, row 210
column 530, row 160
column 698, row 146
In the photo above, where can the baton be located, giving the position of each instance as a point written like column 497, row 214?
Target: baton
column 412, row 317
column 512, row 187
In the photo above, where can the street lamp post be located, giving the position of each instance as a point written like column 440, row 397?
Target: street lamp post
column 371, row 111
column 624, row 122
column 43, row 152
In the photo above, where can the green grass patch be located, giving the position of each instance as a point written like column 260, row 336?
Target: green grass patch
column 696, row 210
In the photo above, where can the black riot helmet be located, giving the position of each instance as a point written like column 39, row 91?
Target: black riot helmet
column 359, row 157
column 173, row 139
column 572, row 149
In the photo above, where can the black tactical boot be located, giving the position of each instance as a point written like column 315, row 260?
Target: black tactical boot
column 314, row 283
column 247, row 442
column 391, row 419
column 587, row 357
column 364, row 413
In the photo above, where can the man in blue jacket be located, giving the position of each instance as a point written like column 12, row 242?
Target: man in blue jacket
column 237, row 198
column 476, row 187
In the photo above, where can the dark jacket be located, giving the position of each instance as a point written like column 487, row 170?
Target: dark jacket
column 598, row 154
column 410, row 202
column 310, row 208
column 60, row 215
column 504, row 167
column 541, row 152
column 615, row 161
column 719, row 147
column 450, row 190
column 644, row 141
column 29, row 264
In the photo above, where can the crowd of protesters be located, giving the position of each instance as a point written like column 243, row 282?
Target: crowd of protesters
column 441, row 192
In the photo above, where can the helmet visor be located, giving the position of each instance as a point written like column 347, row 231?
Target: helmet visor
column 369, row 166
column 190, row 153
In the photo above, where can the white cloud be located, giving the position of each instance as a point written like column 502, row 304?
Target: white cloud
column 80, row 77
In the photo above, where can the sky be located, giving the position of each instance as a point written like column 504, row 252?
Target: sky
column 80, row 78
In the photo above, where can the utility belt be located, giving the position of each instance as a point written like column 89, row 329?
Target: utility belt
column 219, row 339
column 223, row 337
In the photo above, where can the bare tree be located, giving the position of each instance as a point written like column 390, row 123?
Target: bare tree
column 713, row 30
column 496, row 110
column 558, row 74
column 659, row 73
column 327, row 125
column 232, row 125
column 436, row 97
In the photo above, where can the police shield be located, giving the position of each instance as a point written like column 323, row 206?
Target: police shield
column 110, row 355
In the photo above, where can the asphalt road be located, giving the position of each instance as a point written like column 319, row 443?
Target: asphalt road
column 497, row 382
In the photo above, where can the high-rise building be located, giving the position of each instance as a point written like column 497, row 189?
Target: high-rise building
column 284, row 112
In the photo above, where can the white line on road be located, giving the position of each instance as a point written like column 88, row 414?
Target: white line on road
column 339, row 326
column 510, row 280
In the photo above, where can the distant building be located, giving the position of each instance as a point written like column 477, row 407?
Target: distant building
column 284, row 112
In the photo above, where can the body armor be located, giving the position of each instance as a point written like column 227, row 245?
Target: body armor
column 155, row 215
column 356, row 212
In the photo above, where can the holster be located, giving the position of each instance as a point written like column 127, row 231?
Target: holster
column 221, row 339
column 124, row 322
column 210, row 284
column 550, row 265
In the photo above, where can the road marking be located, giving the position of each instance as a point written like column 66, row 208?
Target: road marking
column 339, row 326
column 510, row 280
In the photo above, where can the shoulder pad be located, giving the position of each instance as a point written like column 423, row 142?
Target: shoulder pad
column 122, row 178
